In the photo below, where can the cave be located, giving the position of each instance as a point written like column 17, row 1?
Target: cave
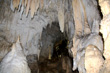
column 55, row 57
column 54, row 36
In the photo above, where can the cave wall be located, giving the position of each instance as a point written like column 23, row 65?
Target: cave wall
column 50, row 35
column 105, row 9
column 30, row 29
column 86, row 33
column 78, row 19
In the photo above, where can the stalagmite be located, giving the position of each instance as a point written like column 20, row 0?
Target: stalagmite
column 86, row 40
column 93, row 59
column 15, row 61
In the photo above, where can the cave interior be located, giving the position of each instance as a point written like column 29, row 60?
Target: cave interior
column 55, row 36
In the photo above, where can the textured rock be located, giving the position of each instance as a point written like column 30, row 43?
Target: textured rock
column 15, row 61
column 105, row 7
column 82, row 43
column 105, row 30
column 82, row 16
column 93, row 59
column 81, row 65
column 85, row 33
column 4, row 47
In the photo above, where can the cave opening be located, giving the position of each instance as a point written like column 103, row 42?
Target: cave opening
column 60, row 48
column 55, row 58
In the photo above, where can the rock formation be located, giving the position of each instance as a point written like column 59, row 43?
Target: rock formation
column 105, row 30
column 42, row 23
column 93, row 59
column 15, row 61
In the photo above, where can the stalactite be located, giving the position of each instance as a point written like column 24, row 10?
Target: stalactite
column 41, row 4
column 28, row 7
column 25, row 3
column 33, row 8
column 61, row 17
column 16, row 3
column 36, row 4
column 78, row 26
column 77, row 17
column 86, row 24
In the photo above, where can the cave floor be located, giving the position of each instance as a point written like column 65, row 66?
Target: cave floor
column 55, row 65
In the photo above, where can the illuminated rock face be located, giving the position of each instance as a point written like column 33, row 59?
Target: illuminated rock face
column 105, row 30
column 15, row 61
column 105, row 6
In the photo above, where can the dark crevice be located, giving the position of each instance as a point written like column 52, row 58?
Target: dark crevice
column 60, row 61
column 99, row 8
column 60, row 48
